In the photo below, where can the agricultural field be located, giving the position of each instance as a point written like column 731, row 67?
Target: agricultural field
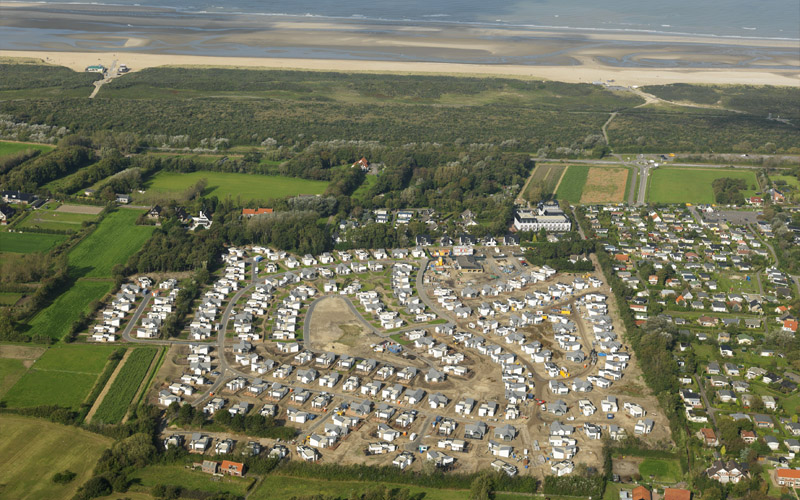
column 53, row 216
column 167, row 185
column 27, row 451
column 544, row 180
column 116, row 238
column 606, row 185
column 571, row 187
column 56, row 319
column 62, row 376
column 125, row 386
column 29, row 242
column 11, row 370
column 9, row 148
column 692, row 185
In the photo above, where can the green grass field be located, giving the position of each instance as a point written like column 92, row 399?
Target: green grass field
column 571, row 187
column 62, row 376
column 221, row 184
column 29, row 242
column 11, row 370
column 116, row 238
column 283, row 488
column 664, row 470
column 692, row 185
column 790, row 180
column 178, row 475
column 32, row 450
column 8, row 148
column 363, row 189
column 9, row 298
column 56, row 319
column 48, row 218
column 125, row 386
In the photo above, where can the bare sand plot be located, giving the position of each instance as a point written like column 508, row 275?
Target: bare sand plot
column 79, row 209
column 605, row 185
column 334, row 327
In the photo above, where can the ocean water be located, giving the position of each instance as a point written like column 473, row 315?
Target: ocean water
column 728, row 18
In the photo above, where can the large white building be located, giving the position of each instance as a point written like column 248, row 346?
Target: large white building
column 547, row 216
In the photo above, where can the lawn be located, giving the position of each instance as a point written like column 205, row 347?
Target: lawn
column 571, row 187
column 32, row 450
column 664, row 470
column 116, row 238
column 790, row 180
column 63, row 376
column 222, row 184
column 8, row 148
column 29, row 242
column 56, row 319
column 49, row 218
column 125, row 386
column 692, row 185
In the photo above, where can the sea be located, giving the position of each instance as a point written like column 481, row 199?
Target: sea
column 757, row 19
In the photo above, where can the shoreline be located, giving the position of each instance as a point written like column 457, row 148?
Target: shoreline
column 431, row 21
column 589, row 70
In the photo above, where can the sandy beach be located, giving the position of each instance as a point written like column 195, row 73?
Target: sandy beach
column 585, row 73
column 77, row 36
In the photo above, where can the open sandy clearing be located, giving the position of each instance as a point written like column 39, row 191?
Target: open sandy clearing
column 334, row 327
column 605, row 185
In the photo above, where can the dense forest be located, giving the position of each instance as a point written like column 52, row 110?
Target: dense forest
column 728, row 191
column 219, row 108
column 756, row 100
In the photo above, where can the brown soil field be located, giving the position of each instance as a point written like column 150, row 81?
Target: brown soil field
column 605, row 185
column 80, row 209
column 21, row 352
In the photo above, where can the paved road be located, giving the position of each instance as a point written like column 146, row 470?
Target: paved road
column 710, row 409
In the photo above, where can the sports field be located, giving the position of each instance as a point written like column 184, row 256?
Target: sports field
column 50, row 217
column 116, row 238
column 8, row 148
column 29, row 242
column 56, row 319
column 29, row 452
column 62, row 376
column 692, row 185
column 222, row 184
